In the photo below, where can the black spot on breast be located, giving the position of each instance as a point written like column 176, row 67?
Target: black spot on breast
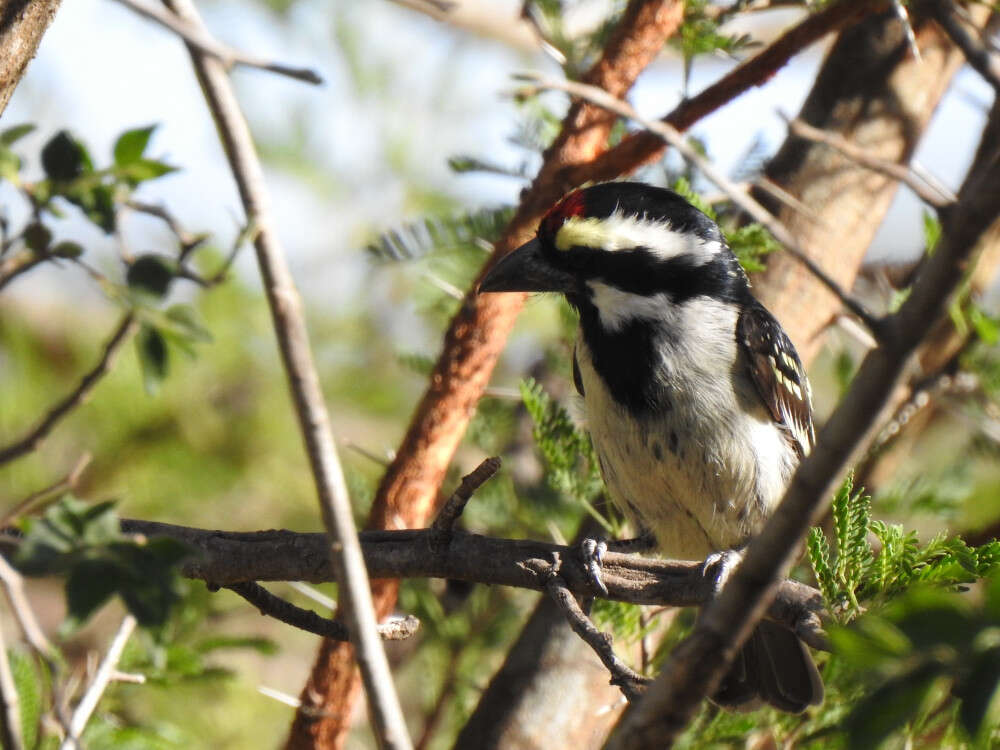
column 674, row 442
column 658, row 451
column 577, row 376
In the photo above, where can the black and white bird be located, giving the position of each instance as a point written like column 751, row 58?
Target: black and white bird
column 695, row 399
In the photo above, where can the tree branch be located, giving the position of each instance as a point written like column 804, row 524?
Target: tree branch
column 932, row 195
column 698, row 663
column 454, row 505
column 314, row 422
column 227, row 558
column 21, row 262
column 87, row 383
column 305, row 619
column 22, row 24
column 643, row 147
column 976, row 53
column 228, row 57
column 99, row 684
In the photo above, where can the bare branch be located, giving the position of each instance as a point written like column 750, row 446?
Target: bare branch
column 32, row 501
column 640, row 148
column 932, row 194
column 305, row 619
column 225, row 558
column 698, row 663
column 977, row 54
column 198, row 37
column 740, row 197
column 471, row 482
column 630, row 682
column 10, row 719
column 15, row 264
column 87, row 383
column 96, row 689
column 314, row 421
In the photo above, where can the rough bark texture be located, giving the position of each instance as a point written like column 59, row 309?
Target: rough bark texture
column 22, row 24
column 408, row 492
column 871, row 91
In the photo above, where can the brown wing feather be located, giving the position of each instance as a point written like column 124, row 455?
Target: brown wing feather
column 777, row 371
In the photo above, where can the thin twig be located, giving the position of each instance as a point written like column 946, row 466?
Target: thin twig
column 32, row 501
column 931, row 194
column 99, row 684
column 314, row 422
column 627, row 680
column 10, row 720
column 305, row 619
column 740, row 197
column 33, row 439
column 186, row 238
column 454, row 505
column 976, row 53
column 228, row 57
column 23, row 261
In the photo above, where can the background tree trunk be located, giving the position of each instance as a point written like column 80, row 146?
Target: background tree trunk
column 22, row 24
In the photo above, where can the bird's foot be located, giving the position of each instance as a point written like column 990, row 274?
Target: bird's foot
column 592, row 552
column 718, row 566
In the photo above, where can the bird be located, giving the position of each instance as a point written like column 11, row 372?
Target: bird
column 697, row 404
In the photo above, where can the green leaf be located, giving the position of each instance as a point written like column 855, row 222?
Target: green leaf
column 37, row 236
column 64, row 158
column 50, row 542
column 143, row 169
column 10, row 165
column 67, row 249
column 870, row 642
column 151, row 274
column 185, row 322
column 153, row 357
column 131, row 144
column 30, row 689
column 932, row 231
column 89, row 585
column 888, row 708
column 261, row 645
column 13, row 134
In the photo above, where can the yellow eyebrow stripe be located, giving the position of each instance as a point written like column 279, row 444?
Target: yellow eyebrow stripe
column 580, row 232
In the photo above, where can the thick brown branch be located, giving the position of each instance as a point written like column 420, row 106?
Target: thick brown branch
column 641, row 148
column 227, row 558
column 977, row 54
column 87, row 383
column 698, row 664
column 22, row 24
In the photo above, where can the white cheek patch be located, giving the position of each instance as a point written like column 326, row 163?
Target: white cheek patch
column 616, row 307
column 621, row 232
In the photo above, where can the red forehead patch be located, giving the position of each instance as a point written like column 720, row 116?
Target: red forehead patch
column 572, row 205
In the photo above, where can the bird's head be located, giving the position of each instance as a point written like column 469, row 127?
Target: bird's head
column 619, row 248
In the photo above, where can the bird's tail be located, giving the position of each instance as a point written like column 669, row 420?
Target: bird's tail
column 773, row 666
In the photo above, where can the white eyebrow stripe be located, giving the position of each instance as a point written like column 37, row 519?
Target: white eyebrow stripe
column 623, row 232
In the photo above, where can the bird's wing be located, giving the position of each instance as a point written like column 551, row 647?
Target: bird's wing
column 777, row 372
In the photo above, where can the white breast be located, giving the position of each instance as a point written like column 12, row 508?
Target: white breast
column 703, row 474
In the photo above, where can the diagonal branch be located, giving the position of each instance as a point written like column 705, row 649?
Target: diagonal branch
column 641, row 148
column 228, row 57
column 931, row 194
column 83, row 389
column 698, row 663
column 314, row 423
column 977, row 54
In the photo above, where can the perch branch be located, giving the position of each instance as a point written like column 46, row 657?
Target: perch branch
column 305, row 619
column 34, row 438
column 199, row 38
column 225, row 558
column 314, row 422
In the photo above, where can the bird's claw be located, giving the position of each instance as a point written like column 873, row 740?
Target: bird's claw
column 719, row 566
column 592, row 553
